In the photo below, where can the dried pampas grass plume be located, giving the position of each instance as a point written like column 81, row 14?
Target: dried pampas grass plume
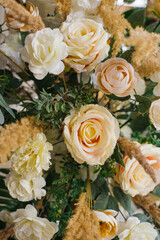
column 149, row 205
column 146, row 57
column 15, row 135
column 84, row 224
column 133, row 150
column 20, row 13
column 117, row 25
column 63, row 7
column 6, row 233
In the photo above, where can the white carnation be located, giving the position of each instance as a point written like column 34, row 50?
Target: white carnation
column 30, row 227
column 25, row 189
column 33, row 158
column 44, row 51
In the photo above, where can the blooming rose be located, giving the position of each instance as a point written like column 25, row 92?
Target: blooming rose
column 30, row 227
column 154, row 113
column 108, row 224
column 116, row 76
column 91, row 134
column 44, row 51
column 33, row 158
column 25, row 189
column 133, row 229
column 87, row 42
column 133, row 178
column 156, row 78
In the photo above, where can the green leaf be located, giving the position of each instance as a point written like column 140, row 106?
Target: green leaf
column 4, row 193
column 154, row 27
column 63, row 107
column 144, row 103
column 101, row 202
column 56, row 107
column 129, row 1
column 127, row 55
column 157, row 191
column 23, row 37
column 15, row 82
column 1, row 117
column 141, row 217
column 123, row 199
column 112, row 96
column 129, row 12
column 140, row 123
column 137, row 18
column 112, row 203
column 99, row 186
column 5, row 106
column 117, row 155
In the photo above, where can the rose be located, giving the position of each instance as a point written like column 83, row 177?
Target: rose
column 87, row 43
column 116, row 76
column 91, row 134
column 133, row 229
column 132, row 178
column 108, row 224
column 89, row 5
column 154, row 114
column 44, row 51
column 33, row 158
column 156, row 78
column 24, row 189
column 30, row 227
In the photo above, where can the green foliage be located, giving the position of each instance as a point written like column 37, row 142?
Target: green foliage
column 53, row 109
column 157, row 191
column 117, row 156
column 144, row 103
column 127, row 55
column 137, row 18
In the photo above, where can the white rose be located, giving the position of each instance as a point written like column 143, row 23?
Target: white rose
column 140, row 87
column 87, row 43
column 8, row 217
column 132, row 178
column 108, row 224
column 24, row 189
column 132, row 229
column 30, row 227
column 87, row 5
column 154, row 114
column 156, row 78
column 33, row 158
column 44, row 51
column 91, row 134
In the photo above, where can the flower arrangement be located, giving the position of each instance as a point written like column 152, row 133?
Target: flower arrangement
column 79, row 121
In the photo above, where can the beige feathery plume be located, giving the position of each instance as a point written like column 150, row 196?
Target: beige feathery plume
column 15, row 135
column 146, row 57
column 84, row 224
column 6, row 233
column 63, row 7
column 149, row 205
column 133, row 150
column 117, row 25
column 19, row 13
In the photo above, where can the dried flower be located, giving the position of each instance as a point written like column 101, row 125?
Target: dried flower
column 63, row 7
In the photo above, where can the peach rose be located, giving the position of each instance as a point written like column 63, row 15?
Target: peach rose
column 154, row 114
column 116, row 76
column 87, row 43
column 91, row 134
column 132, row 178
column 108, row 224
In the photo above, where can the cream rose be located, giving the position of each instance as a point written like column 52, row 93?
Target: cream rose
column 30, row 227
column 116, row 76
column 91, row 134
column 156, row 78
column 87, row 43
column 24, row 189
column 108, row 224
column 132, row 178
column 33, row 158
column 154, row 114
column 132, row 229
column 44, row 51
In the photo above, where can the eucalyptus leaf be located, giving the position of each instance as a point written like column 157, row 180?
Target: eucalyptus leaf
column 101, row 202
column 157, row 191
column 137, row 18
column 1, row 117
column 123, row 199
column 112, row 203
column 98, row 187
column 144, row 103
column 141, row 217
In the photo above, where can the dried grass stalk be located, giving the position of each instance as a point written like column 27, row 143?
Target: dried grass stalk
column 63, row 7
column 19, row 13
column 113, row 20
column 133, row 151
column 149, row 205
column 146, row 57
column 6, row 233
column 84, row 224
column 15, row 135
